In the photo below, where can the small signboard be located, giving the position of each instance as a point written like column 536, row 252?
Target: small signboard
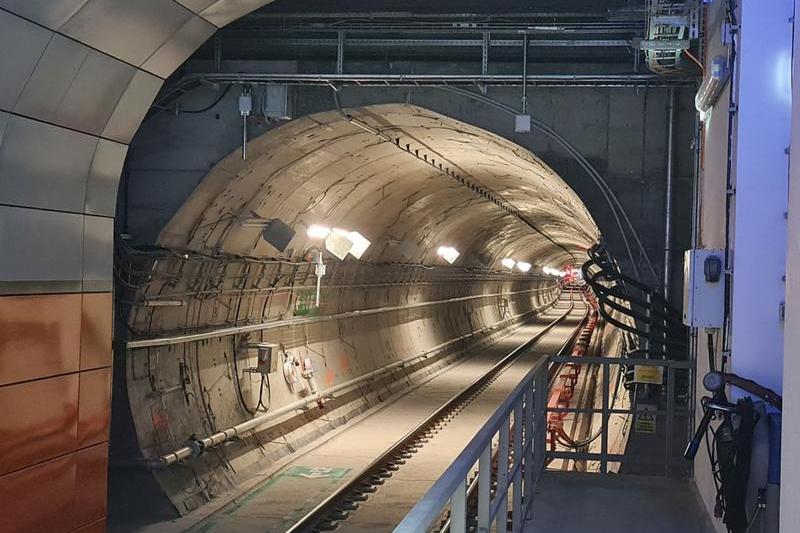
column 645, row 418
column 648, row 374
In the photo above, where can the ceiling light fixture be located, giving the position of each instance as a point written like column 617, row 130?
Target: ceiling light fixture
column 316, row 231
column 523, row 266
column 448, row 253
column 359, row 242
column 508, row 263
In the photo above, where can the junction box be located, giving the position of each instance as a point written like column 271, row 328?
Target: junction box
column 704, row 288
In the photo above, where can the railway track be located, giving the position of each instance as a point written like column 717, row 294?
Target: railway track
column 334, row 512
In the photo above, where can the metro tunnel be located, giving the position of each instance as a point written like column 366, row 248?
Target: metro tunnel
column 371, row 266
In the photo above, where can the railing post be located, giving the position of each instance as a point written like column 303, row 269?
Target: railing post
column 529, row 442
column 539, row 421
column 458, row 509
column 668, row 423
column 501, row 494
column 484, row 489
column 604, row 420
column 519, row 450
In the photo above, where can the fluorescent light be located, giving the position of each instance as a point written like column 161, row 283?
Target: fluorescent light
column 508, row 263
column 359, row 242
column 448, row 253
column 546, row 270
column 523, row 266
column 318, row 232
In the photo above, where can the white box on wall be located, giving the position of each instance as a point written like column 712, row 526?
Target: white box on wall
column 703, row 295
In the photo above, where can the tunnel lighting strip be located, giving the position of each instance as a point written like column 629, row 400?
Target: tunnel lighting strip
column 199, row 446
column 465, row 181
column 273, row 324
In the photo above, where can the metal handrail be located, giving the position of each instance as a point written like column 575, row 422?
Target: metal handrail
column 528, row 402
column 669, row 412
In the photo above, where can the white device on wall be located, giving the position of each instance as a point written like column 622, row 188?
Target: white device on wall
column 704, row 288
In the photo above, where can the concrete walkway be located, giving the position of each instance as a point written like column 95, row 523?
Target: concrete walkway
column 575, row 502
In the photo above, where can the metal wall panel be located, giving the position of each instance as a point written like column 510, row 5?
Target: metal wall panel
column 97, row 316
column 103, row 183
column 42, row 251
column 98, row 253
column 132, row 107
column 223, row 12
column 94, row 406
column 90, row 485
column 50, row 13
column 194, row 32
column 60, row 495
column 39, row 422
column 34, row 344
column 130, row 31
column 44, row 166
column 196, row 5
column 27, row 41
column 95, row 527
column 49, row 490
column 3, row 123
column 74, row 86
column 51, row 77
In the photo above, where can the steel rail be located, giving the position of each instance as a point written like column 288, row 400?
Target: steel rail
column 473, row 484
column 336, row 506
column 273, row 324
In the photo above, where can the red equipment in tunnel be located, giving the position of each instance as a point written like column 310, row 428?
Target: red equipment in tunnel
column 566, row 379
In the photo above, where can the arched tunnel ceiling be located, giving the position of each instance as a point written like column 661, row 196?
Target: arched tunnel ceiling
column 323, row 169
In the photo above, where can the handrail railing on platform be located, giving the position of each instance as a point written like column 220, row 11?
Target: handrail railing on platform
column 516, row 436
column 669, row 412
column 520, row 458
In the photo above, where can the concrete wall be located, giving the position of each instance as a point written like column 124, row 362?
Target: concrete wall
column 323, row 169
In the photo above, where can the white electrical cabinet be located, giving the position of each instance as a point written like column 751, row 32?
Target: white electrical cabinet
column 704, row 288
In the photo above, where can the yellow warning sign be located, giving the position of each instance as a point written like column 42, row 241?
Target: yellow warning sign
column 648, row 374
column 645, row 418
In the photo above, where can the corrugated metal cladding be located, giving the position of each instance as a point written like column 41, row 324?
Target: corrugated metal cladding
column 77, row 78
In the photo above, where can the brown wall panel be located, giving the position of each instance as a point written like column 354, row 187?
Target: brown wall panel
column 40, row 336
column 62, row 494
column 38, row 498
column 94, row 527
column 96, row 319
column 94, row 408
column 39, row 421
column 90, row 485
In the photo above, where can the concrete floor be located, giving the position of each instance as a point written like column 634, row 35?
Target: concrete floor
column 575, row 502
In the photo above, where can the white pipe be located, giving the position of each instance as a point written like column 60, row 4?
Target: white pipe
column 200, row 445
column 263, row 326
column 668, row 193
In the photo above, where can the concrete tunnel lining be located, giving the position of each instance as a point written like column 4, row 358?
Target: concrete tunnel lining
column 321, row 169
column 88, row 110
column 332, row 172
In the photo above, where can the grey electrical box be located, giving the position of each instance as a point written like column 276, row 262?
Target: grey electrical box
column 704, row 288
column 267, row 358
column 522, row 123
column 277, row 101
